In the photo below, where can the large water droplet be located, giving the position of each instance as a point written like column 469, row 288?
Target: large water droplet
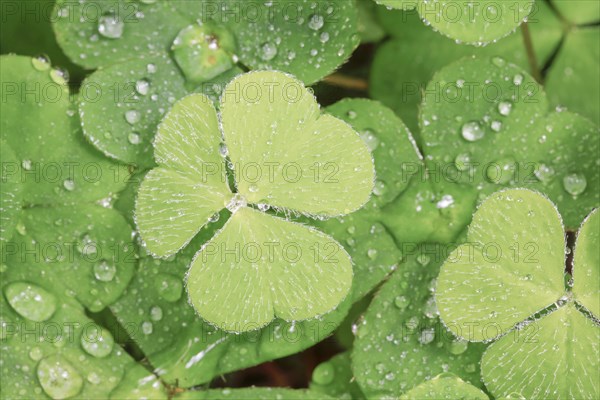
column 169, row 287
column 575, row 184
column 58, row 377
column 110, row 26
column 204, row 51
column 472, row 131
column 427, row 336
column 97, row 341
column 268, row 51
column 316, row 22
column 30, row 301
column 105, row 271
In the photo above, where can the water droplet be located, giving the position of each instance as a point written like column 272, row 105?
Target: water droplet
column 324, row 374
column 69, row 185
column 575, row 184
column 58, row 378
column 59, row 76
column 86, row 246
column 30, row 301
column 370, row 139
column 496, row 126
column 36, row 354
column 501, row 171
column 147, row 327
column 427, row 336
column 263, row 206
column 142, row 87
column 93, row 378
column 97, row 341
column 351, row 114
column 423, row 259
column 379, row 189
column 544, row 173
column 324, row 37
column 214, row 218
column 518, row 79
column 445, row 202
column 237, row 201
column 458, row 346
column 105, row 271
column 504, row 108
column 169, row 287
column 41, row 62
column 204, row 51
column 472, row 131
column 316, row 22
column 499, row 61
column 156, row 313
column 110, row 26
column 401, row 302
column 253, row 188
column 151, row 68
column 134, row 138
column 26, row 164
column 268, row 51
column 132, row 116
column 462, row 161
column 372, row 254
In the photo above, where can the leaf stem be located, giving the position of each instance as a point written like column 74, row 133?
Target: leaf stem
column 347, row 82
column 533, row 65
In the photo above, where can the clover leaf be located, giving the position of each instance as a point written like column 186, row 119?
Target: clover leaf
column 292, row 158
column 400, row 341
column 409, row 36
column 472, row 23
column 444, row 386
column 187, row 47
column 507, row 284
column 485, row 124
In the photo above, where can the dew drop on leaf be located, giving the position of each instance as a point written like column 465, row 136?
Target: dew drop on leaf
column 472, row 131
column 41, row 62
column 69, row 185
column 58, row 377
column 427, row 336
column 496, row 126
column 458, row 346
column 518, row 79
column 544, row 173
column 169, row 287
column 370, row 139
column 142, row 86
column 401, row 302
column 97, row 341
column 30, row 301
column 59, row 76
column 110, row 26
column 156, row 313
column 147, row 327
column 575, row 184
column 504, row 108
column 134, row 138
column 316, row 22
column 132, row 116
column 462, row 161
column 105, row 271
column 268, row 51
column 36, row 353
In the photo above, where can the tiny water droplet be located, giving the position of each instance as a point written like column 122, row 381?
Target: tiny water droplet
column 518, row 80
column 498, row 61
column 156, row 313
column 372, row 254
column 134, row 138
column 462, row 161
column 401, row 302
column 147, row 327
